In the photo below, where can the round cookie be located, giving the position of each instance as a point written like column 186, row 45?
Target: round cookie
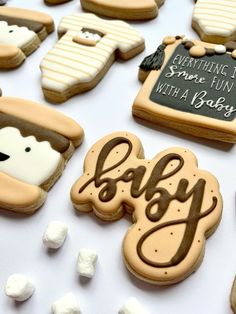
column 123, row 9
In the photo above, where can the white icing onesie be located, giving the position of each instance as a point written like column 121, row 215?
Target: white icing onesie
column 73, row 62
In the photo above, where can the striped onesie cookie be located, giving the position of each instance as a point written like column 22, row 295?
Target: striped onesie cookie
column 215, row 20
column 87, row 48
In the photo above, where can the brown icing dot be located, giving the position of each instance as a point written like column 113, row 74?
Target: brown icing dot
column 91, row 193
column 166, row 273
column 178, row 210
column 197, row 51
column 156, row 251
column 230, row 45
column 212, row 191
column 198, row 241
column 122, row 191
column 178, row 37
column 118, row 170
column 188, row 44
column 234, row 54
column 171, row 233
column 170, row 183
column 194, row 175
column 87, row 174
column 210, row 52
column 139, row 229
column 169, row 40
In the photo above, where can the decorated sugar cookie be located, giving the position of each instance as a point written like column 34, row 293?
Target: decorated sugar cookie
column 21, row 32
column 214, row 20
column 35, row 144
column 190, row 86
column 56, row 1
column 123, row 9
column 174, row 205
column 87, row 48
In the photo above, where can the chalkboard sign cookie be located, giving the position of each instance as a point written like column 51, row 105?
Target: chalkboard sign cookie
column 190, row 86
column 174, row 205
column 87, row 48
column 215, row 21
column 36, row 142
column 21, row 32
column 123, row 9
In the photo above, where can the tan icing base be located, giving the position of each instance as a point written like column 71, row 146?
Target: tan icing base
column 122, row 9
column 167, row 241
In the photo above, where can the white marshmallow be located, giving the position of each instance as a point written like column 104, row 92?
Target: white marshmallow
column 19, row 287
column 132, row 306
column 220, row 49
column 55, row 235
column 66, row 305
column 87, row 261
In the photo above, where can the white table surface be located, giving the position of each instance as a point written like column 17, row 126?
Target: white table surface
column 105, row 109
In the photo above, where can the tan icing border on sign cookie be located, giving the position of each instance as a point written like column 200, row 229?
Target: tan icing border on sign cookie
column 174, row 205
column 123, row 9
column 194, row 124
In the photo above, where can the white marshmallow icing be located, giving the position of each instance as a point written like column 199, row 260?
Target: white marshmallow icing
column 26, row 159
column 15, row 35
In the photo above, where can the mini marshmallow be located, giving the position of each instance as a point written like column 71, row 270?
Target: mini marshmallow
column 132, row 306
column 19, row 287
column 87, row 261
column 55, row 235
column 66, row 305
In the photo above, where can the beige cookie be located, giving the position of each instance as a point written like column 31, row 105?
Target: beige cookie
column 56, row 1
column 123, row 9
column 87, row 48
column 174, row 205
column 189, row 86
column 215, row 21
column 233, row 296
column 35, row 144
column 21, row 34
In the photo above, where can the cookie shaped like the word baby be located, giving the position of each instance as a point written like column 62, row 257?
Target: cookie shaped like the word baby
column 174, row 205
column 190, row 86
column 215, row 20
column 21, row 32
column 122, row 9
column 87, row 48
column 35, row 144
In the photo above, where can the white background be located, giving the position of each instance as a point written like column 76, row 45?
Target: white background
column 105, row 109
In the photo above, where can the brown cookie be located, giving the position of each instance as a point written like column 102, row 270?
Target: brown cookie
column 174, row 205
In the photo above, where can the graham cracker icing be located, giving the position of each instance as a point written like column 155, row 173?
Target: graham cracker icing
column 35, row 144
column 174, row 205
column 131, row 10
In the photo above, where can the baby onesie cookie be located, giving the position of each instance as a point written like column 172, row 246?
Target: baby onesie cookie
column 215, row 20
column 35, row 144
column 123, row 9
column 174, row 205
column 87, row 48
column 21, row 32
column 190, row 86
